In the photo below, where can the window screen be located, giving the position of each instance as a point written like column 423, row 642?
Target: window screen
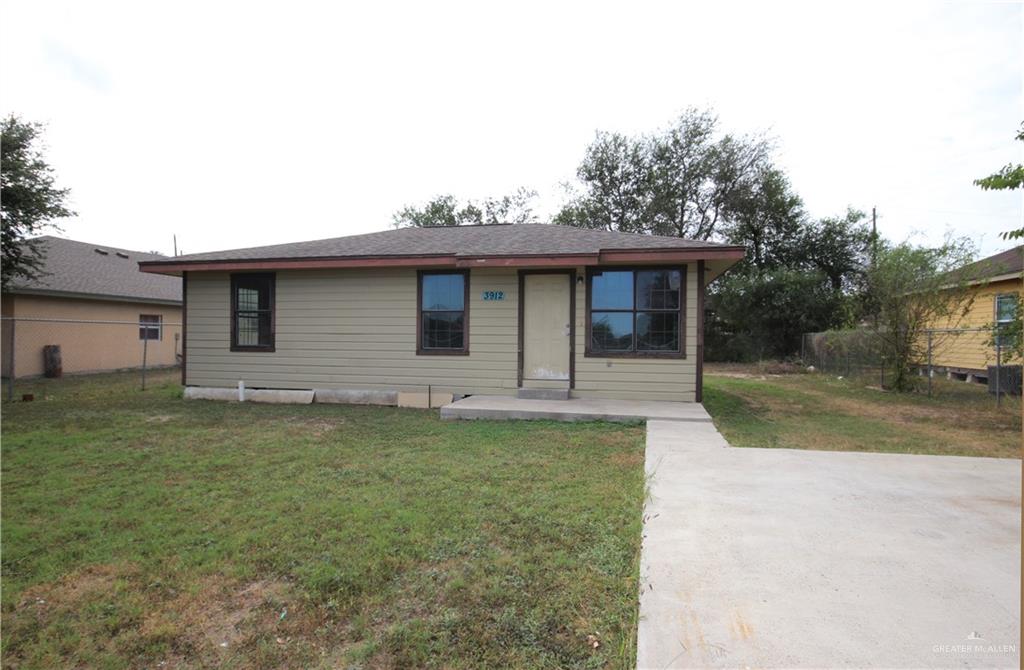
column 252, row 312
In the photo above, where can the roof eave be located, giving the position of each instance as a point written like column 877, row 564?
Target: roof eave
column 50, row 293
column 605, row 256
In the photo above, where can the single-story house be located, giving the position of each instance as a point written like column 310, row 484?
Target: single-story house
column 994, row 285
column 431, row 313
column 93, row 302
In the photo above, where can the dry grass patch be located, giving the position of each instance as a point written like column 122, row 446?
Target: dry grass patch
column 813, row 411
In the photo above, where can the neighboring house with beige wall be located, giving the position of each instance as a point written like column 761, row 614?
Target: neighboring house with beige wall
column 431, row 313
column 90, row 300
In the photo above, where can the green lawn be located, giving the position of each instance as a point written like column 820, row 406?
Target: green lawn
column 817, row 411
column 141, row 530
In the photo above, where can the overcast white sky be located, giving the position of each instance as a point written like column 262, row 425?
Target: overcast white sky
column 239, row 124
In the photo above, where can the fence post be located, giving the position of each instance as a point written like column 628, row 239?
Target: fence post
column 145, row 346
column 10, row 368
column 929, row 364
column 999, row 371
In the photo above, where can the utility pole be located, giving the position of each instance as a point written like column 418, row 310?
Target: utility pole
column 874, row 261
column 874, row 236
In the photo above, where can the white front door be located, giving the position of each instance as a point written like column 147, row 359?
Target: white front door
column 546, row 326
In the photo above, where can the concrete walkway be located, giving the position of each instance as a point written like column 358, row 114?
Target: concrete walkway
column 786, row 558
column 576, row 409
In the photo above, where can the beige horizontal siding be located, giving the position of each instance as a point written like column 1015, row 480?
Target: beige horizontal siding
column 353, row 329
column 638, row 378
column 356, row 329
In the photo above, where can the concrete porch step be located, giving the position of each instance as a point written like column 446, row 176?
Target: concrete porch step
column 542, row 394
column 574, row 409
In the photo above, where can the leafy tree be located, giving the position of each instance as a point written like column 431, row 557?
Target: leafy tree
column 445, row 210
column 1010, row 177
column 685, row 181
column 915, row 289
column 799, row 276
column 767, row 219
column 763, row 313
column 617, row 172
column 838, row 247
column 29, row 200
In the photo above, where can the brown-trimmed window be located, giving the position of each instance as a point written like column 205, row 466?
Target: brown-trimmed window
column 442, row 316
column 252, row 312
column 636, row 312
column 150, row 326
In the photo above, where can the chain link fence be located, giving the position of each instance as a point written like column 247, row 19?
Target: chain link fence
column 54, row 348
column 965, row 354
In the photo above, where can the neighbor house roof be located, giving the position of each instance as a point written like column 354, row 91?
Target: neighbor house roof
column 84, row 270
column 461, row 246
column 1001, row 266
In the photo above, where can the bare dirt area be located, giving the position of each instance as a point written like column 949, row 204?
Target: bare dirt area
column 749, row 370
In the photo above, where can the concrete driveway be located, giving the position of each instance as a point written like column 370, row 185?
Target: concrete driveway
column 785, row 558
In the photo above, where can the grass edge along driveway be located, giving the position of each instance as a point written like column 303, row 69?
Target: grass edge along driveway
column 140, row 530
column 817, row 411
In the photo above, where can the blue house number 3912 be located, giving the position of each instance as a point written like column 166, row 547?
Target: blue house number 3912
column 494, row 295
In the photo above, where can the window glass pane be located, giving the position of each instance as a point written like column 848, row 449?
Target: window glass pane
column 149, row 332
column 253, row 310
column 443, row 330
column 248, row 299
column 612, row 290
column 611, row 331
column 1006, row 308
column 657, row 289
column 443, row 292
column 657, row 331
column 253, row 329
column 248, row 330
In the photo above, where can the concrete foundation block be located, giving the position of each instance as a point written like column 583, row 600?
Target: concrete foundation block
column 355, row 397
column 280, row 397
column 543, row 394
column 412, row 399
column 258, row 395
column 209, row 393
column 423, row 400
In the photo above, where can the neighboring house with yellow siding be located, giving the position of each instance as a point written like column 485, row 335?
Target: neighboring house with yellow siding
column 993, row 284
column 93, row 302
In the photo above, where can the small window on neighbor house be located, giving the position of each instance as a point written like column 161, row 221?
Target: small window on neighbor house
column 636, row 312
column 443, row 318
column 150, row 326
column 252, row 312
column 1006, row 314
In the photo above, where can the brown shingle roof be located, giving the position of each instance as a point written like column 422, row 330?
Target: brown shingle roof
column 1005, row 262
column 78, row 268
column 488, row 240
